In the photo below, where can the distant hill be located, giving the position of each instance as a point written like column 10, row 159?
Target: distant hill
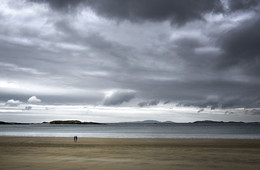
column 148, row 121
column 211, row 121
column 196, row 122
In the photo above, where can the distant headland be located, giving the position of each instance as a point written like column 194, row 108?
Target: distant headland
column 196, row 122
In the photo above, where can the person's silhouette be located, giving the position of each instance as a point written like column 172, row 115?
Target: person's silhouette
column 75, row 138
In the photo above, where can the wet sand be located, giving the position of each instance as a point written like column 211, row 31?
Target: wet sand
column 104, row 153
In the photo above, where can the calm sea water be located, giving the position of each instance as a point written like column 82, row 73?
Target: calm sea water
column 118, row 130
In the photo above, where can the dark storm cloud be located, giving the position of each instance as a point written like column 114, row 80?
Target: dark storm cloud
column 28, row 108
column 213, row 94
column 255, row 112
column 212, row 102
column 166, row 102
column 201, row 110
column 241, row 47
column 252, row 111
column 242, row 4
column 103, row 48
column 226, row 102
column 119, row 97
column 149, row 103
column 139, row 10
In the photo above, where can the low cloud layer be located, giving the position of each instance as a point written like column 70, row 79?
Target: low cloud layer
column 13, row 102
column 118, row 97
column 149, row 103
column 34, row 99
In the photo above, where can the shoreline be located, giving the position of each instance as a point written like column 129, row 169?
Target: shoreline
column 195, row 138
column 128, row 153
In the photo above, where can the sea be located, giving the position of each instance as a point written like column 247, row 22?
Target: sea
column 137, row 130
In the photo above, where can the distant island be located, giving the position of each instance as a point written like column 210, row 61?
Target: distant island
column 149, row 121
column 71, row 122
column 54, row 122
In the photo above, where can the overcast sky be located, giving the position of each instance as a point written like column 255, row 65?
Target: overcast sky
column 126, row 60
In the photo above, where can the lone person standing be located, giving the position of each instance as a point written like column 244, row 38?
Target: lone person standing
column 75, row 138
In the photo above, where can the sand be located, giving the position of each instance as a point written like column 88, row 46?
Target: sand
column 104, row 153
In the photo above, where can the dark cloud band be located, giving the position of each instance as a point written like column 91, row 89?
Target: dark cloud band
column 139, row 10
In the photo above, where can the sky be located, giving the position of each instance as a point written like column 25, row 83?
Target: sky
column 129, row 60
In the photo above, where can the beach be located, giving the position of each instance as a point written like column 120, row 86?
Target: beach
column 125, row 153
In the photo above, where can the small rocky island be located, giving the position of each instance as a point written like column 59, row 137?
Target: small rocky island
column 71, row 122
